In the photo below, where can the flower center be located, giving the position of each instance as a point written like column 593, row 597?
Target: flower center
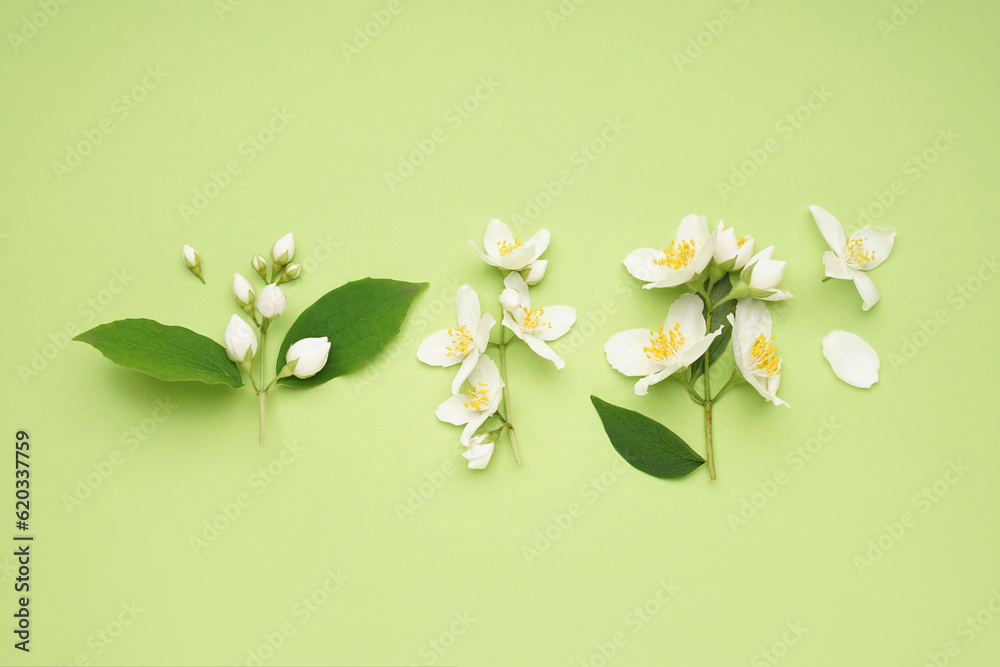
column 506, row 247
column 857, row 255
column 677, row 255
column 664, row 345
column 461, row 341
column 764, row 355
column 479, row 397
column 531, row 319
column 740, row 240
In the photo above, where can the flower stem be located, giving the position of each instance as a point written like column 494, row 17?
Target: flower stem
column 262, row 394
column 710, row 456
column 502, row 348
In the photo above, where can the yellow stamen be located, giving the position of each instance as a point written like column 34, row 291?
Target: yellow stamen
column 531, row 320
column 479, row 397
column 461, row 341
column 764, row 355
column 857, row 255
column 677, row 255
column 663, row 346
column 506, row 247
column 740, row 240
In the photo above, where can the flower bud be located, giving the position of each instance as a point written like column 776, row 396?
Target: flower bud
column 283, row 249
column 259, row 264
column 510, row 300
column 192, row 260
column 536, row 271
column 292, row 272
column 243, row 291
column 731, row 252
column 271, row 302
column 241, row 342
column 480, row 449
column 307, row 357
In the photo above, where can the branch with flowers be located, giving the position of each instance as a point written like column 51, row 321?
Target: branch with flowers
column 484, row 409
column 340, row 331
column 725, row 308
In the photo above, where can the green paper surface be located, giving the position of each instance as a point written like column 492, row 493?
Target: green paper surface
column 855, row 528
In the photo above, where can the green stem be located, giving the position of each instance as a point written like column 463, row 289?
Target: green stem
column 708, row 403
column 735, row 378
column 691, row 392
column 502, row 348
column 262, row 394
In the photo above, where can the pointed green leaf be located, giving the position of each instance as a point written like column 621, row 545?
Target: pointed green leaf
column 163, row 351
column 719, row 318
column 646, row 444
column 359, row 318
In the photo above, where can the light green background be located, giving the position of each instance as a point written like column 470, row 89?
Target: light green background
column 370, row 440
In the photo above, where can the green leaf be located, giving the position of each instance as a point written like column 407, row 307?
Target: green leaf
column 719, row 318
column 359, row 318
column 163, row 351
column 645, row 444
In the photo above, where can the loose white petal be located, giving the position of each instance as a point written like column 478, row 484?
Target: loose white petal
column 555, row 322
column 877, row 240
column 866, row 288
column 830, row 228
column 625, row 352
column 852, row 359
column 434, row 350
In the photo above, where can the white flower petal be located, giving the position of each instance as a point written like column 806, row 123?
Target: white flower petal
column 467, row 308
column 515, row 282
column 830, row 228
column 852, row 359
column 453, row 410
column 486, row 258
column 555, row 321
column 835, row 266
column 486, row 371
column 642, row 264
column 703, row 255
column 543, row 350
column 879, row 241
column 479, row 452
column 512, row 324
column 482, row 334
column 686, row 310
column 866, row 288
column 673, row 279
column 536, row 271
column 693, row 228
column 497, row 234
column 434, row 350
column 540, row 242
column 777, row 295
column 625, row 354
column 643, row 385
column 519, row 257
column 726, row 246
column 468, row 363
column 692, row 352
column 474, row 423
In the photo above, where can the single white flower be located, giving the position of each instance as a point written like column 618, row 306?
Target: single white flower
column 242, row 290
column 284, row 249
column 309, row 356
column 506, row 252
column 762, row 275
column 655, row 355
column 536, row 325
column 732, row 252
column 848, row 259
column 754, row 350
column 477, row 404
column 853, row 360
column 686, row 256
column 463, row 344
column 480, row 449
column 536, row 271
column 241, row 341
column 259, row 265
column 271, row 302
